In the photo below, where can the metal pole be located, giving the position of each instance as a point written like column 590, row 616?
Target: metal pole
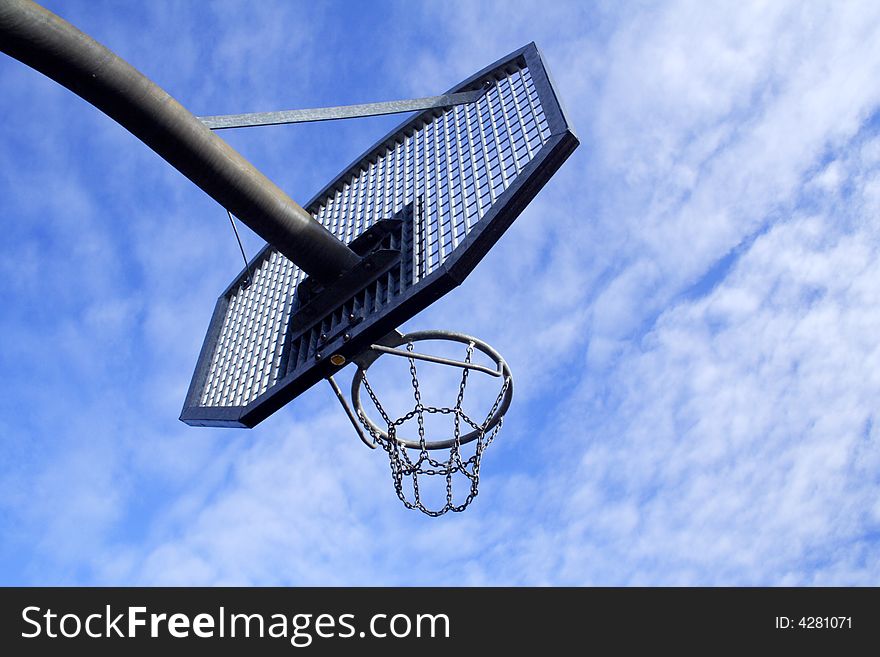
column 340, row 111
column 57, row 49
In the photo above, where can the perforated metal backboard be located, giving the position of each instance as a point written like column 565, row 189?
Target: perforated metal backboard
column 421, row 207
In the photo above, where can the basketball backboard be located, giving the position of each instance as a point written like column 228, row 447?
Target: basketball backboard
column 421, row 208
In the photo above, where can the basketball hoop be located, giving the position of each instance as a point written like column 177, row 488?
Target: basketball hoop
column 403, row 225
column 411, row 458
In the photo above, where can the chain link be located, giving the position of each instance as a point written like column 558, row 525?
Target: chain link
column 402, row 464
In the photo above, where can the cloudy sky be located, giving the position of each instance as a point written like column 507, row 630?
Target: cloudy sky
column 691, row 306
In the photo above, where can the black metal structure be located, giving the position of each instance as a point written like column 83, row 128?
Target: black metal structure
column 420, row 208
column 397, row 229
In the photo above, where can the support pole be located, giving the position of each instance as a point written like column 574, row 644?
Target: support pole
column 341, row 111
column 54, row 47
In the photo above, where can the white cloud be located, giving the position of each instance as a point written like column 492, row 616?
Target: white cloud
column 744, row 427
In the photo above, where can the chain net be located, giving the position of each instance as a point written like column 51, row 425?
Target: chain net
column 406, row 466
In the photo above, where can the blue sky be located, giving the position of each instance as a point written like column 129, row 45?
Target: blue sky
column 691, row 307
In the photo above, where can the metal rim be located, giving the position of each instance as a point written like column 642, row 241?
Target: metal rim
column 420, row 336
